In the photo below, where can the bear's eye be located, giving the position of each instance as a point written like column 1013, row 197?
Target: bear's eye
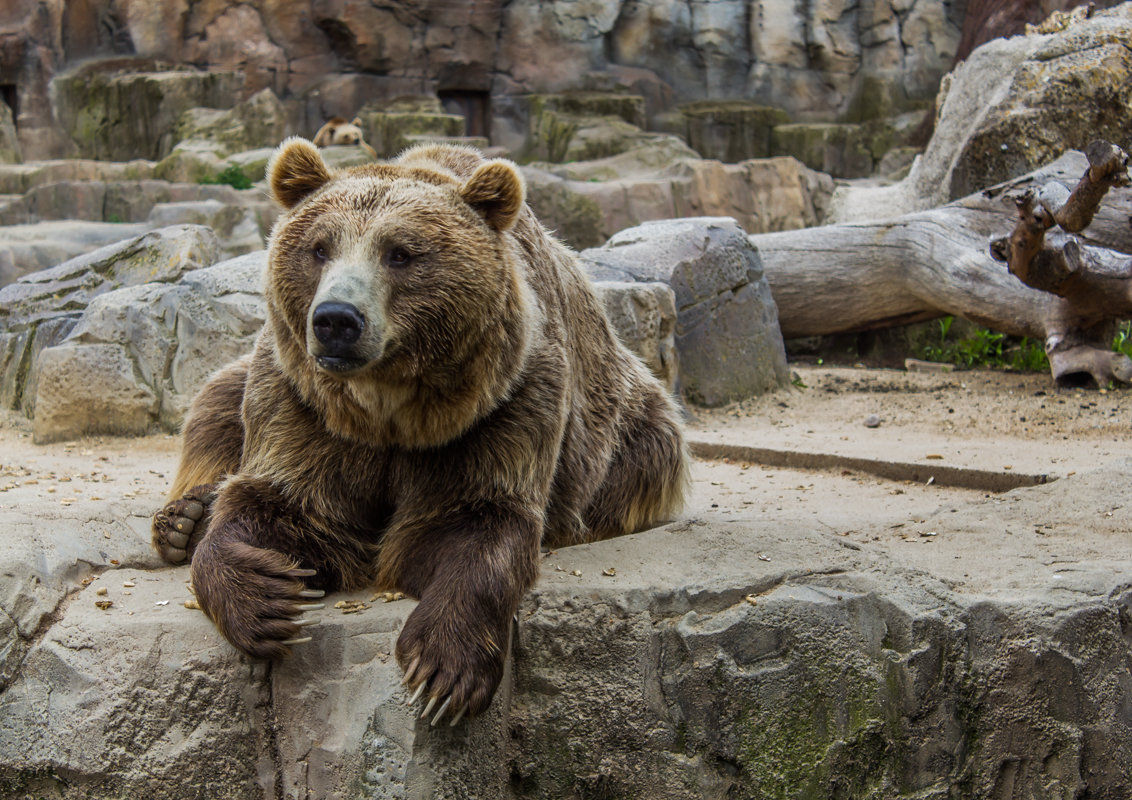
column 320, row 252
column 399, row 257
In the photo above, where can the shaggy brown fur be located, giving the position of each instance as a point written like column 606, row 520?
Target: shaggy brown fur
column 338, row 131
column 473, row 404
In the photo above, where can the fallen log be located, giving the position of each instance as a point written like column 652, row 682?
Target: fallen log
column 856, row 277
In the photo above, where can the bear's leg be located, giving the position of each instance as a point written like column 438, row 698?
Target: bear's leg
column 213, row 443
column 469, row 566
column 647, row 480
column 249, row 570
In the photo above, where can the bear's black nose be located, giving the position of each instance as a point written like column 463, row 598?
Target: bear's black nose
column 337, row 326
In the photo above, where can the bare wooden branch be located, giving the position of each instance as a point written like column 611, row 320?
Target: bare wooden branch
column 1108, row 167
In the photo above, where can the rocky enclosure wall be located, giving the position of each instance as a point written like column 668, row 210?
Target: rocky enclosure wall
column 817, row 58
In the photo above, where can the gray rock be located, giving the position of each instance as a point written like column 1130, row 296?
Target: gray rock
column 260, row 121
column 1016, row 104
column 727, row 334
column 1010, row 107
column 723, row 659
column 585, row 203
column 25, row 249
column 20, row 178
column 240, row 228
column 90, row 390
column 116, row 117
column 644, row 317
column 159, row 342
column 731, row 131
column 40, row 309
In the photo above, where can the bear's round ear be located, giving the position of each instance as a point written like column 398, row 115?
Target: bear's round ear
column 496, row 191
column 296, row 169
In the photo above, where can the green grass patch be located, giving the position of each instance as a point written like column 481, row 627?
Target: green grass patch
column 985, row 348
column 232, row 176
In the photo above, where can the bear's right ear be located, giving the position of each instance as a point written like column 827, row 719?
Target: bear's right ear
column 296, row 169
column 496, row 190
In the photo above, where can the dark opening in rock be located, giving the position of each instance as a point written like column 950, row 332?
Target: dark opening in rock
column 474, row 106
column 11, row 96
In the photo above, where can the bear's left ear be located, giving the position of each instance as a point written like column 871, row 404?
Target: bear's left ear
column 496, row 191
column 296, row 169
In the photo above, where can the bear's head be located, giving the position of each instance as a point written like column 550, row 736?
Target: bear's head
column 344, row 132
column 396, row 295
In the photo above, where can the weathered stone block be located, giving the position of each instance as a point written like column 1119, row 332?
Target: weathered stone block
column 727, row 334
column 842, row 151
column 731, row 131
column 39, row 310
column 260, row 121
column 644, row 317
column 90, row 389
column 391, row 132
column 118, row 117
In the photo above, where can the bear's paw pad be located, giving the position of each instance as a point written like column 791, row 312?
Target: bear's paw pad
column 182, row 522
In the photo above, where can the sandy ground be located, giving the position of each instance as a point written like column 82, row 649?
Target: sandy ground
column 997, row 422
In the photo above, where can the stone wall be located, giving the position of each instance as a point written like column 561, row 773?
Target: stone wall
column 819, row 58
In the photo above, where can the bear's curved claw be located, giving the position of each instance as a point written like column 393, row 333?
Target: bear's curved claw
column 312, row 606
column 312, row 593
column 297, row 640
column 409, row 673
column 417, row 693
column 440, row 711
column 458, row 716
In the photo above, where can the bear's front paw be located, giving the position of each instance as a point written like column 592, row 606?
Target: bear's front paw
column 181, row 523
column 457, row 664
column 255, row 596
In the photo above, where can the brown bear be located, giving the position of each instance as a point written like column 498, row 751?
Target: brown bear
column 337, row 131
column 436, row 393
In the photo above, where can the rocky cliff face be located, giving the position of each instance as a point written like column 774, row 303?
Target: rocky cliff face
column 816, row 58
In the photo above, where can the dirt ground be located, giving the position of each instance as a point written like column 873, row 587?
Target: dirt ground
column 996, row 422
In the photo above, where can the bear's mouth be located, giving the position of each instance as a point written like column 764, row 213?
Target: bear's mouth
column 339, row 364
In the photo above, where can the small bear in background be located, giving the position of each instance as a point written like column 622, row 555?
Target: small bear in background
column 338, row 131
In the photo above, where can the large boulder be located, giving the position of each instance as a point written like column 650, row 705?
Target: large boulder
column 40, row 310
column 717, row 657
column 727, row 335
column 119, row 116
column 588, row 202
column 155, row 344
column 1019, row 103
column 1013, row 105
column 260, row 121
column 25, row 249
